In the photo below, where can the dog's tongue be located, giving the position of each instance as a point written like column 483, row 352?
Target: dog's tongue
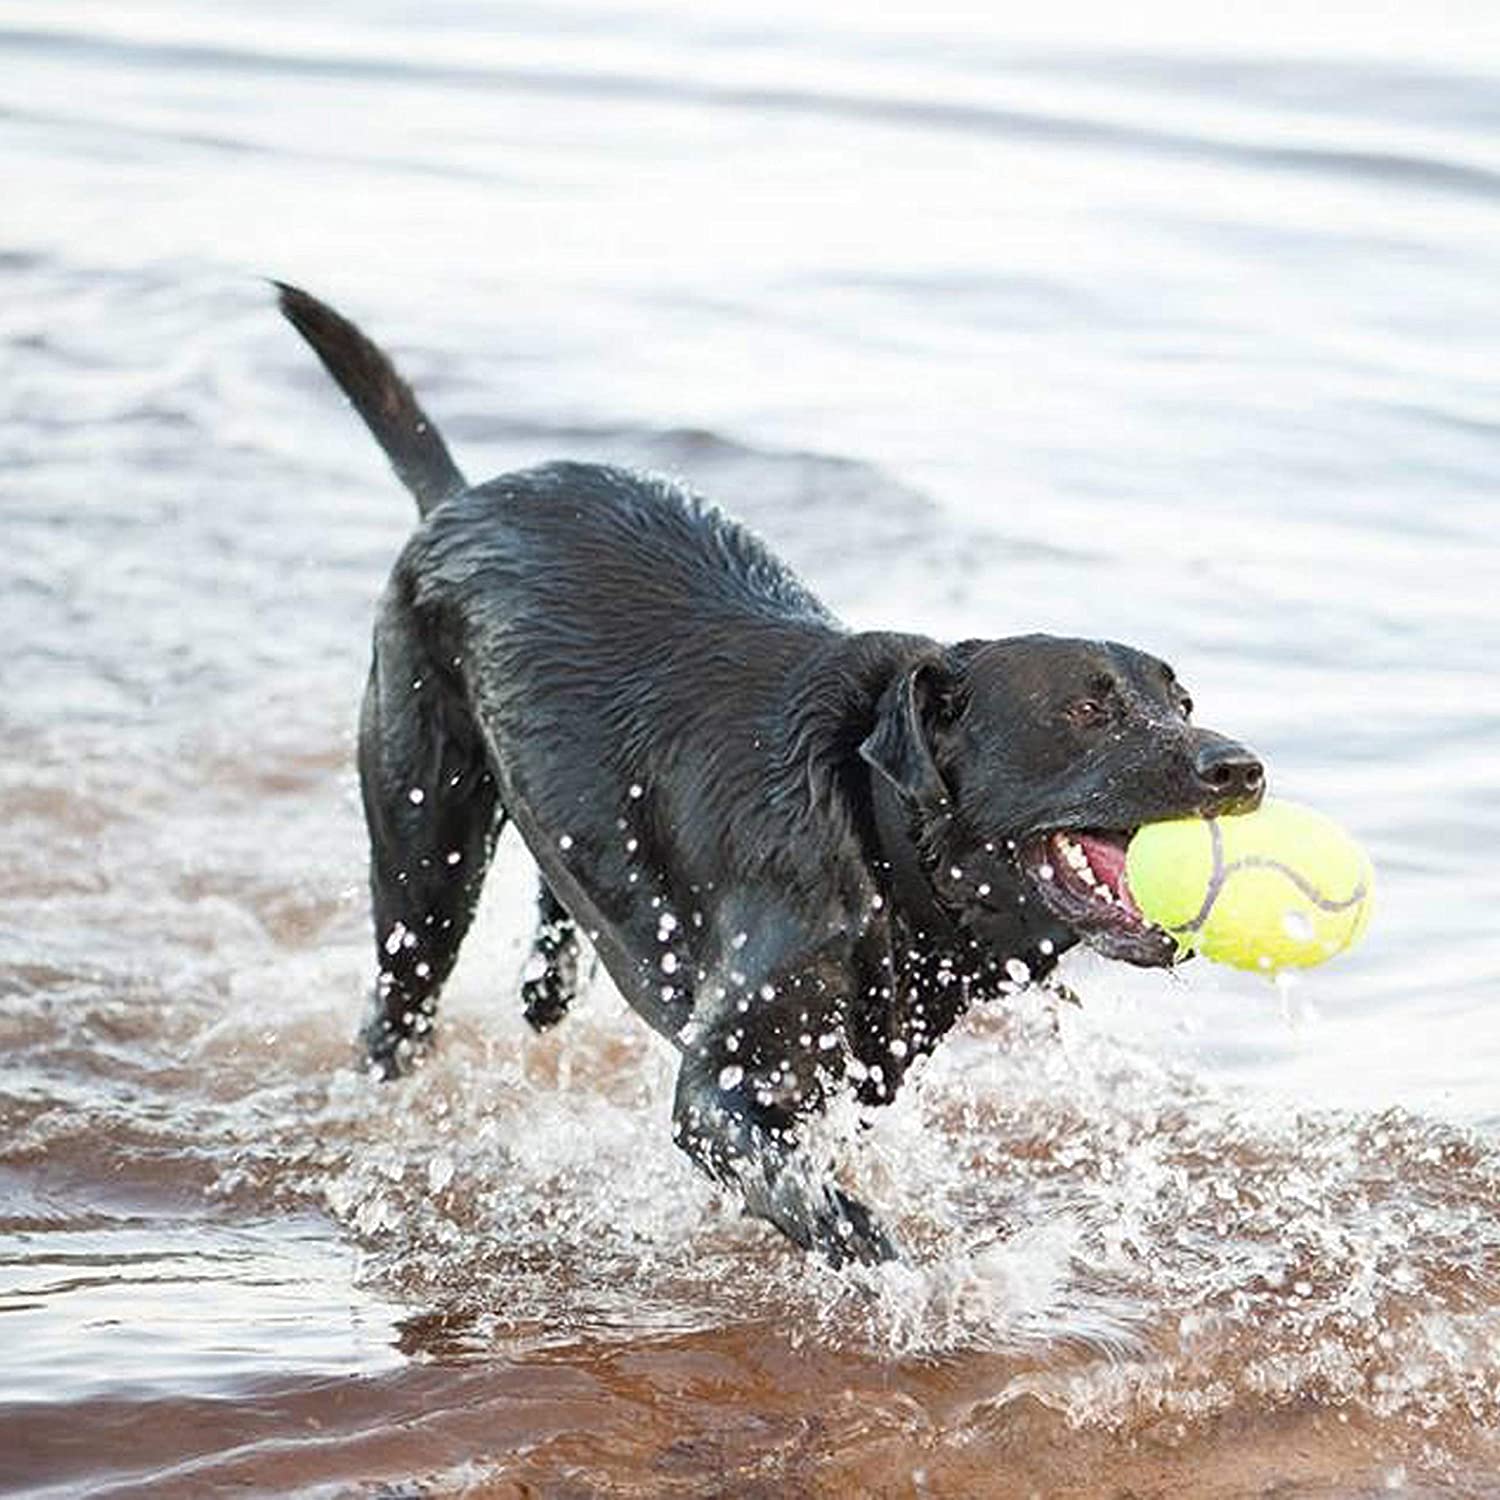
column 1107, row 860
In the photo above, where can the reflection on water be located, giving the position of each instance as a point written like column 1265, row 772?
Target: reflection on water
column 1081, row 322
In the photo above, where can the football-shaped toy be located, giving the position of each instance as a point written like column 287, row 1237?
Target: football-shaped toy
column 1279, row 888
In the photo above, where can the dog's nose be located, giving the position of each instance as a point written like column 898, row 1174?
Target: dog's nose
column 1232, row 775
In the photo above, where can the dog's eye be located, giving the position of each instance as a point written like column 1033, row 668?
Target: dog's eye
column 1085, row 711
column 1185, row 706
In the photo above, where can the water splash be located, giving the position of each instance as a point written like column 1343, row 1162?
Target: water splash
column 1127, row 1241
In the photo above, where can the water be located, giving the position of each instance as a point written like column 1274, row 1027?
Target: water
column 1164, row 326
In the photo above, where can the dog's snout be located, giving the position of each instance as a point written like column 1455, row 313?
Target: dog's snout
column 1231, row 774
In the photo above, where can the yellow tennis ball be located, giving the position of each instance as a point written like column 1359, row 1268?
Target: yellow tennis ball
column 1279, row 888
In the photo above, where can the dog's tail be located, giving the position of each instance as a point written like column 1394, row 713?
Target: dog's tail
column 366, row 376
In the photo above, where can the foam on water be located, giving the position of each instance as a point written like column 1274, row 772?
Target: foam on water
column 1134, row 1242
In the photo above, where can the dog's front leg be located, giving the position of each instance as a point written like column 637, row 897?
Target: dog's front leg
column 743, row 1086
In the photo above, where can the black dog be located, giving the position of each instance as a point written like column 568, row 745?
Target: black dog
column 800, row 853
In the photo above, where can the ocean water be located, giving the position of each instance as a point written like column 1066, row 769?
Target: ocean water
column 1178, row 327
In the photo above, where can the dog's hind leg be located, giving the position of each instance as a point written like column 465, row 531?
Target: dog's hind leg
column 552, row 973
column 433, row 814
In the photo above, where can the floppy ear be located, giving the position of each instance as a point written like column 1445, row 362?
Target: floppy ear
column 899, row 745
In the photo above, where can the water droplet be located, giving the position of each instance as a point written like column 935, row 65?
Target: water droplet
column 1297, row 925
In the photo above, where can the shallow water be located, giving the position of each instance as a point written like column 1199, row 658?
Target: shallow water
column 1154, row 327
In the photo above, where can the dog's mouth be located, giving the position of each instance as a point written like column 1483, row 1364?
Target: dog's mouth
column 1080, row 875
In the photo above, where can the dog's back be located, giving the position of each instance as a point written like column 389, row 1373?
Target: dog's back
column 598, row 656
column 568, row 597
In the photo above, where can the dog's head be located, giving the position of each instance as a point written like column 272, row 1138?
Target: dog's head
column 1037, row 758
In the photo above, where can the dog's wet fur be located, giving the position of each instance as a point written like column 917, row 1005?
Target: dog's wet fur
column 800, row 852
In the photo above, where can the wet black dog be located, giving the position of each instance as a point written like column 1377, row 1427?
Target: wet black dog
column 800, row 853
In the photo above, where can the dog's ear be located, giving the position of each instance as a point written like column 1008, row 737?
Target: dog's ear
column 909, row 715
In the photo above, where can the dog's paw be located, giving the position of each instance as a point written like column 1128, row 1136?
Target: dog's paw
column 826, row 1220
column 851, row 1232
column 547, row 996
column 385, row 1053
